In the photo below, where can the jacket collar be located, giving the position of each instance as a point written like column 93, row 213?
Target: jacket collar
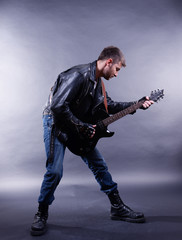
column 93, row 70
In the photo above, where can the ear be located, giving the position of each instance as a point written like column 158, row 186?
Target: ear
column 109, row 61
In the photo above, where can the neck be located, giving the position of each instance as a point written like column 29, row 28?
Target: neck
column 99, row 68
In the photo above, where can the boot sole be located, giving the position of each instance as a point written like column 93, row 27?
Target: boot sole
column 139, row 220
column 38, row 233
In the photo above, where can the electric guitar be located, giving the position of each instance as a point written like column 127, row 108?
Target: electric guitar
column 81, row 146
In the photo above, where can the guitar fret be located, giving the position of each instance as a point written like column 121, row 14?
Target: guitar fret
column 122, row 113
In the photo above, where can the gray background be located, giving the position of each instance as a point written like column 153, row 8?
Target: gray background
column 39, row 39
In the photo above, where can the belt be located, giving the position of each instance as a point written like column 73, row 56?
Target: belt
column 46, row 113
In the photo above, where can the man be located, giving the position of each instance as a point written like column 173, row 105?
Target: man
column 75, row 99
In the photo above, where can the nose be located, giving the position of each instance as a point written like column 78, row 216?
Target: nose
column 116, row 74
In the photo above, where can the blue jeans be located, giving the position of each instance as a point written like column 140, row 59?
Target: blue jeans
column 54, row 173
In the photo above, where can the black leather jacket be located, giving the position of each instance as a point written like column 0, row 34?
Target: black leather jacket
column 75, row 100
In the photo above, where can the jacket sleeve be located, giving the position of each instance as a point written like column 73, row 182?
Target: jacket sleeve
column 66, row 90
column 114, row 107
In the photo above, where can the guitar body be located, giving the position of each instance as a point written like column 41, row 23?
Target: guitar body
column 81, row 146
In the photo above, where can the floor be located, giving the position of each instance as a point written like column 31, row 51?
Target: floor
column 81, row 212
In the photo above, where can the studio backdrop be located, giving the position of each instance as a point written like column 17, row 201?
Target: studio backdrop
column 39, row 39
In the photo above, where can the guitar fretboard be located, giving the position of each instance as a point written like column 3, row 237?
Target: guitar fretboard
column 122, row 113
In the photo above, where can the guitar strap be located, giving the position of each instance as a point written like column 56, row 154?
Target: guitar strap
column 104, row 94
column 51, row 147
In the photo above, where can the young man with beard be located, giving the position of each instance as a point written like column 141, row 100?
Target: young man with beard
column 75, row 99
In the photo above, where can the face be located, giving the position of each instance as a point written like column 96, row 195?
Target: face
column 111, row 69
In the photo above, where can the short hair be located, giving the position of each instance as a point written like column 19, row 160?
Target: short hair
column 114, row 53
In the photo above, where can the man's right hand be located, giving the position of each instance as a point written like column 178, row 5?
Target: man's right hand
column 87, row 130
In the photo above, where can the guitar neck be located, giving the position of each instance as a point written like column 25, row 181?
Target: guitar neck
column 122, row 113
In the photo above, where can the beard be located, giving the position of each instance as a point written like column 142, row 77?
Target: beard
column 107, row 75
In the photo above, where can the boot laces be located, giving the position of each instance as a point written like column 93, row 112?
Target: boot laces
column 41, row 216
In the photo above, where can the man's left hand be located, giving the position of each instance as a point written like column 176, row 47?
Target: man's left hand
column 147, row 103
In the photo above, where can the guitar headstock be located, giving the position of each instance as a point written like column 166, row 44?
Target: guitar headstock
column 156, row 95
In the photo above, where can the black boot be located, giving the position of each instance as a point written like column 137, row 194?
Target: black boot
column 39, row 224
column 119, row 211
